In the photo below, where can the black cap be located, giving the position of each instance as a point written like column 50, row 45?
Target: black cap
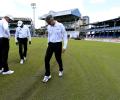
column 49, row 17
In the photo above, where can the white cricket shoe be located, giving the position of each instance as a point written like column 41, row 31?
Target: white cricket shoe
column 25, row 58
column 8, row 72
column 60, row 73
column 21, row 61
column 46, row 78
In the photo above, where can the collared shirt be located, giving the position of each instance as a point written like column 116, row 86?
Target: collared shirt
column 57, row 33
column 4, row 29
column 22, row 33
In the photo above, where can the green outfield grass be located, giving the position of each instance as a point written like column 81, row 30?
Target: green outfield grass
column 91, row 72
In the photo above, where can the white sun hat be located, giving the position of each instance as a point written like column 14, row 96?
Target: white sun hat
column 19, row 23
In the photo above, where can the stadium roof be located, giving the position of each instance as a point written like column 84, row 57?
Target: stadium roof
column 21, row 18
column 24, row 19
column 106, row 21
column 71, row 14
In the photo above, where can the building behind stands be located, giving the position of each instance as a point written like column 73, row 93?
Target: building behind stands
column 71, row 19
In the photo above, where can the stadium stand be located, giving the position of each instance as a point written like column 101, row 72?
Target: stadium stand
column 26, row 21
column 104, row 29
column 70, row 18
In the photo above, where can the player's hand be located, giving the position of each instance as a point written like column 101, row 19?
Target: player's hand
column 29, row 42
column 63, row 50
column 16, row 43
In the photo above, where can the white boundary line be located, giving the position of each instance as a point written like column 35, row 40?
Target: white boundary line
column 104, row 40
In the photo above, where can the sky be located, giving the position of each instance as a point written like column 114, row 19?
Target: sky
column 97, row 10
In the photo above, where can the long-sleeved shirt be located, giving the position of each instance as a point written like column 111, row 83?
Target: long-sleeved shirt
column 22, row 33
column 4, row 29
column 57, row 33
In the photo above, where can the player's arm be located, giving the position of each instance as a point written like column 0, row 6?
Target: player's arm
column 65, row 39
